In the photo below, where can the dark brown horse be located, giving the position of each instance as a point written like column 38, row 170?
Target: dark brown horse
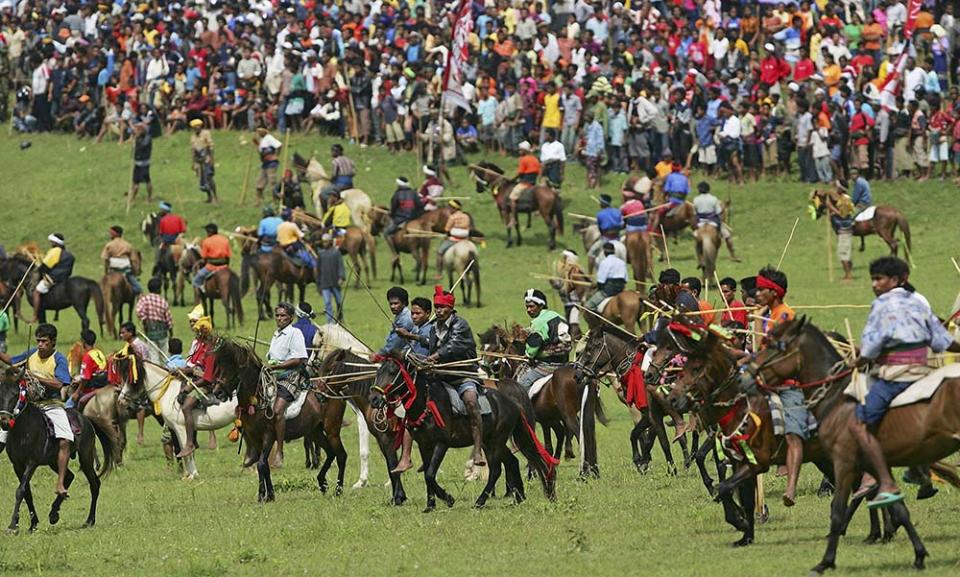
column 167, row 265
column 430, row 418
column 673, row 219
column 361, row 247
column 75, row 292
column 638, row 255
column 911, row 436
column 558, row 404
column 241, row 370
column 886, row 219
column 546, row 201
column 224, row 284
column 412, row 238
column 28, row 447
column 116, row 293
column 275, row 267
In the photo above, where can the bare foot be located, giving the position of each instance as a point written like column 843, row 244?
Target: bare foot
column 140, row 439
column 788, row 501
column 186, row 452
column 212, row 443
column 402, row 467
column 782, row 471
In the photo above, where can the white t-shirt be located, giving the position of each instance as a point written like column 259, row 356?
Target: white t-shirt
column 287, row 344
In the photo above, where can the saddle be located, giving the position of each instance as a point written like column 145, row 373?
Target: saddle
column 866, row 215
column 603, row 304
column 294, row 408
column 527, row 202
column 538, row 385
column 458, row 406
column 919, row 391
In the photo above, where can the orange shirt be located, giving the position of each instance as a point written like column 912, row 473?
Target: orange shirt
column 528, row 164
column 708, row 318
column 215, row 247
column 780, row 313
column 871, row 30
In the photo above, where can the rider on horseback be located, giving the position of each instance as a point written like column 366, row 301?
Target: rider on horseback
column 457, row 229
column 93, row 370
column 900, row 329
column 610, row 222
column 118, row 255
column 201, row 363
column 50, row 368
column 676, row 186
column 169, row 228
column 431, row 189
column 337, row 218
column 343, row 172
column 528, row 169
column 267, row 229
column 709, row 211
column 862, row 196
column 285, row 359
column 55, row 267
column 405, row 205
column 611, row 277
column 451, row 341
column 215, row 251
column 548, row 343
column 290, row 239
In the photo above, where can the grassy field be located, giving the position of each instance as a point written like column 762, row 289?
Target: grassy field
column 621, row 524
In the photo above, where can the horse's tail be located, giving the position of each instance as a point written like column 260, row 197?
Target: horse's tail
column 476, row 276
column 526, row 439
column 905, row 228
column 110, row 441
column 558, row 212
column 588, row 431
column 598, row 409
column 708, row 243
column 246, row 271
column 236, row 298
column 946, row 472
column 98, row 303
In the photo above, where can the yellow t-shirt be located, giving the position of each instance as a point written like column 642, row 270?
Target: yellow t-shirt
column 337, row 215
column 52, row 257
column 663, row 168
column 551, row 111
column 288, row 233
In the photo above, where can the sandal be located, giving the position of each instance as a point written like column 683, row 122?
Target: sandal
column 884, row 499
column 864, row 490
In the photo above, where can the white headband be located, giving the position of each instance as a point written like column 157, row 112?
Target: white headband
column 55, row 239
column 530, row 297
column 403, row 182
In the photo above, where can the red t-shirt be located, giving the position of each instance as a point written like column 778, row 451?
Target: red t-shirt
column 91, row 365
column 171, row 224
column 739, row 316
column 804, row 69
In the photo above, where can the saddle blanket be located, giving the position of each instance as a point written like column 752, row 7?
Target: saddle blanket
column 461, row 409
column 603, row 305
column 921, row 390
column 537, row 385
column 293, row 410
column 526, row 202
column 866, row 214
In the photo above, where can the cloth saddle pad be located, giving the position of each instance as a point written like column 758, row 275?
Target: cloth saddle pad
column 921, row 390
column 297, row 260
column 526, row 202
column 776, row 413
column 603, row 305
column 293, row 410
column 537, row 385
column 866, row 214
column 459, row 408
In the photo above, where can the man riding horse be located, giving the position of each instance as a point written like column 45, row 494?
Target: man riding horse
column 215, row 251
column 405, row 205
column 431, row 189
column 457, row 229
column 709, row 211
column 343, row 173
column 56, row 267
column 548, row 343
column 337, row 218
column 528, row 169
column 676, row 187
column 611, row 277
column 118, row 255
column 93, row 371
column 267, row 229
column 201, row 364
column 286, row 360
column 290, row 239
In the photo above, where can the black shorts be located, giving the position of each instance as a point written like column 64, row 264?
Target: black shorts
column 141, row 174
column 751, row 155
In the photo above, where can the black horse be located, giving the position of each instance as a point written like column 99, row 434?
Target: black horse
column 430, row 418
column 29, row 446
column 75, row 292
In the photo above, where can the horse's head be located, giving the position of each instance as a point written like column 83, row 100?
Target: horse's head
column 394, row 384
column 485, row 175
column 238, row 368
column 128, row 369
column 676, row 338
column 818, row 203
column 704, row 378
column 11, row 402
column 781, row 358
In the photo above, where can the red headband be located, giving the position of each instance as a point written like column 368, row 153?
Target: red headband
column 442, row 298
column 764, row 282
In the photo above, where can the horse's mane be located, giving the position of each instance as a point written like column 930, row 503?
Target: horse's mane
column 237, row 364
column 487, row 165
column 333, row 337
column 618, row 332
column 28, row 250
column 667, row 293
column 336, row 363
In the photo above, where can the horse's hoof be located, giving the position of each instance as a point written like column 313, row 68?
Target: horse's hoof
column 643, row 467
column 12, row 530
column 89, row 523
column 743, row 542
column 871, row 539
column 54, row 517
column 449, row 501
column 821, row 568
column 360, row 484
column 323, row 487
column 764, row 515
column 480, row 504
column 429, row 508
column 338, row 491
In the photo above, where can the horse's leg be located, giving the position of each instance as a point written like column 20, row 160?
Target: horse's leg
column 656, row 421
column 495, row 467
column 748, row 500
column 636, row 440
column 901, row 516
column 891, row 240
column 24, row 474
column 517, row 229
column 390, row 456
column 86, row 459
column 54, row 516
column 509, row 236
column 688, row 457
column 512, row 469
column 426, row 457
column 844, row 474
column 322, row 440
column 431, row 474
column 336, row 444
column 265, row 491
column 530, row 219
column 700, row 456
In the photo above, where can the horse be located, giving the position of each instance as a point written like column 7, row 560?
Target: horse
column 242, row 372
column 623, row 309
column 163, row 388
column 913, row 435
column 638, row 256
column 413, row 238
column 223, row 284
column 184, row 264
column 356, row 200
column 456, row 260
column 435, row 427
column 546, row 201
column 75, row 292
column 28, row 446
column 117, row 292
column 360, row 246
column 166, row 267
column 884, row 223
column 276, row 267
column 673, row 220
column 706, row 241
column 567, row 405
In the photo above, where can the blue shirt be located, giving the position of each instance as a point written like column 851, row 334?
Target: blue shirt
column 705, row 127
column 677, row 185
column 609, row 218
column 617, row 127
column 611, row 267
column 394, row 342
column 176, row 362
column 861, row 192
column 898, row 318
column 268, row 226
column 424, row 331
column 308, row 329
column 487, row 109
column 594, row 139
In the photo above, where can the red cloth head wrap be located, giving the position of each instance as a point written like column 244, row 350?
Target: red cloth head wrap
column 442, row 298
column 764, row 282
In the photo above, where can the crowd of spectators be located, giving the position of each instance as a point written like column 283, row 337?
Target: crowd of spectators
column 738, row 88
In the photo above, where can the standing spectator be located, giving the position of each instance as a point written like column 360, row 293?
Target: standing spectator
column 572, row 108
column 154, row 313
column 941, row 127
column 330, row 278
column 805, row 130
column 593, row 148
column 861, row 132
column 142, row 151
column 919, row 136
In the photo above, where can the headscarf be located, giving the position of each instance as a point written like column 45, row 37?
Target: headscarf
column 442, row 298
column 765, row 283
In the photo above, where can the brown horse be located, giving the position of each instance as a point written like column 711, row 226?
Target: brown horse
column 276, row 267
column 240, row 370
column 707, row 243
column 673, row 220
column 412, row 238
column 623, row 309
column 224, row 285
column 911, row 436
column 185, row 264
column 116, row 293
column 886, row 219
column 638, row 255
column 557, row 405
column 546, row 201
column 361, row 247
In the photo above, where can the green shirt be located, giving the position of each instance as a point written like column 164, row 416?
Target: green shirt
column 539, row 333
column 4, row 322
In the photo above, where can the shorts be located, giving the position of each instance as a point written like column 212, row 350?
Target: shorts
column 58, row 417
column 267, row 179
column 534, row 374
column 465, row 386
column 445, row 245
column 43, row 287
column 920, row 156
column 517, row 190
column 751, row 155
column 845, row 245
column 940, row 152
column 878, row 400
column 141, row 174
column 707, row 155
column 795, row 414
column 394, row 132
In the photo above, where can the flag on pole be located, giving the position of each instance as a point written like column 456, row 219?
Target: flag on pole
column 888, row 92
column 457, row 56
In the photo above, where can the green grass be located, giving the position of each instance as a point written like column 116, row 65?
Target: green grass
column 151, row 523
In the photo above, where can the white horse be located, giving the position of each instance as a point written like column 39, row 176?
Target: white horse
column 162, row 389
column 332, row 337
column 456, row 260
column 356, row 200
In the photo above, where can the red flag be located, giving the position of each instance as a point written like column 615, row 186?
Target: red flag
column 891, row 83
column 457, row 57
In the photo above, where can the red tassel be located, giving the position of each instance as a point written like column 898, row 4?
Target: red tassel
column 546, row 456
column 632, row 381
